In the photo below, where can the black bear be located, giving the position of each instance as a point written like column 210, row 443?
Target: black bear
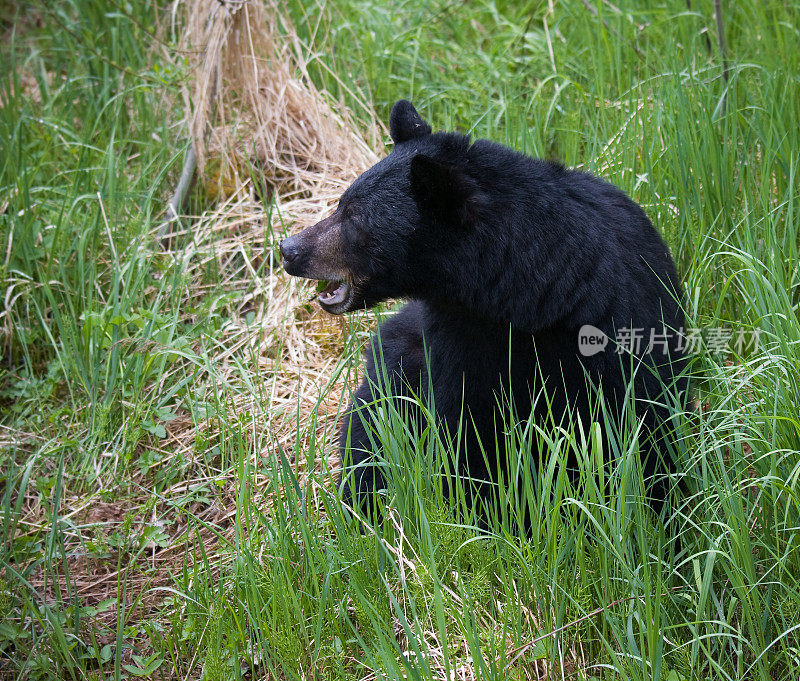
column 522, row 275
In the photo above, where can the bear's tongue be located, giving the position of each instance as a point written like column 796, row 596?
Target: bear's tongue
column 334, row 292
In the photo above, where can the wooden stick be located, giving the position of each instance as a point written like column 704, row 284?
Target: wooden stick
column 179, row 196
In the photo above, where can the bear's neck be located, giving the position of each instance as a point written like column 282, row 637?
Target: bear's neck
column 471, row 360
column 460, row 330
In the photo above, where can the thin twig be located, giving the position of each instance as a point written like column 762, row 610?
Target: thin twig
column 176, row 202
column 190, row 162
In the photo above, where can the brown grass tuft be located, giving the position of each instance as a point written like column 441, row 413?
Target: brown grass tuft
column 253, row 102
column 253, row 105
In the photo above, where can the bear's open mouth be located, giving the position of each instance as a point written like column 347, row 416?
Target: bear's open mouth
column 336, row 294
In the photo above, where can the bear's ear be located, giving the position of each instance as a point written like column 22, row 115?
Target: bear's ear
column 405, row 123
column 445, row 191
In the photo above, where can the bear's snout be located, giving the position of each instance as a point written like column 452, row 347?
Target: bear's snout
column 289, row 249
column 298, row 255
column 316, row 252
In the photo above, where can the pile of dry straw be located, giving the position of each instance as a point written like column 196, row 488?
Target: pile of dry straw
column 252, row 105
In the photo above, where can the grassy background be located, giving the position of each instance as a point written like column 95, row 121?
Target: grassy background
column 219, row 564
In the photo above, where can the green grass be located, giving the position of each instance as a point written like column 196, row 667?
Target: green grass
column 102, row 350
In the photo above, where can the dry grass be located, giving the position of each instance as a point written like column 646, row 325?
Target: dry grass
column 253, row 102
column 250, row 106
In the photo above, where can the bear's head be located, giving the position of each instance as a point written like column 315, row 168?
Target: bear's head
column 380, row 241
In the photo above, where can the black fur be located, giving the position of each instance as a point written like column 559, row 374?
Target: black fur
column 502, row 253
